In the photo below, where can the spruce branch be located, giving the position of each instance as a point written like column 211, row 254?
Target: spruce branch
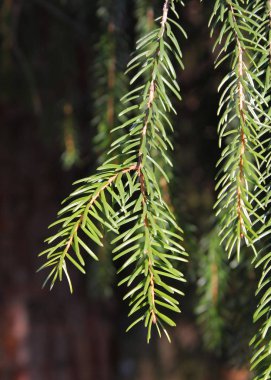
column 246, row 38
column 241, row 110
column 260, row 362
column 124, row 196
column 149, row 225
column 145, row 14
column 74, row 219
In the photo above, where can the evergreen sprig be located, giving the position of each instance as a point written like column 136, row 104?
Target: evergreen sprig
column 124, row 195
column 241, row 126
column 261, row 359
column 244, row 198
column 145, row 11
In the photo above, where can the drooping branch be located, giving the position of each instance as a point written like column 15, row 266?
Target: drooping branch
column 261, row 358
column 124, row 195
column 241, row 110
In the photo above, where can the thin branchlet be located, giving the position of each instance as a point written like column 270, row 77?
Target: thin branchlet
column 241, row 110
column 244, row 127
column 151, row 97
column 91, row 202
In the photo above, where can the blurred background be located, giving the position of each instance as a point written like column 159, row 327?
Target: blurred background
column 61, row 78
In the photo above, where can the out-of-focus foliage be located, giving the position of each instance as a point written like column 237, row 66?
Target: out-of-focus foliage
column 110, row 82
column 213, row 283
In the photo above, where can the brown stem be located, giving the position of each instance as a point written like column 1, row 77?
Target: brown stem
column 164, row 17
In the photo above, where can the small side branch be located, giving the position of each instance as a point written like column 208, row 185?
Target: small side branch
column 92, row 200
column 164, row 17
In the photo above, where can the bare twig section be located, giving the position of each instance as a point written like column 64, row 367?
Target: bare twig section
column 142, row 187
column 151, row 94
column 149, row 105
column 164, row 17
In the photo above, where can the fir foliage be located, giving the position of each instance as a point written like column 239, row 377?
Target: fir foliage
column 244, row 131
column 261, row 360
column 242, row 124
column 124, row 196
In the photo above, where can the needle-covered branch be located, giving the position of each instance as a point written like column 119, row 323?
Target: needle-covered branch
column 124, row 196
column 242, row 121
column 244, row 198
column 260, row 362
